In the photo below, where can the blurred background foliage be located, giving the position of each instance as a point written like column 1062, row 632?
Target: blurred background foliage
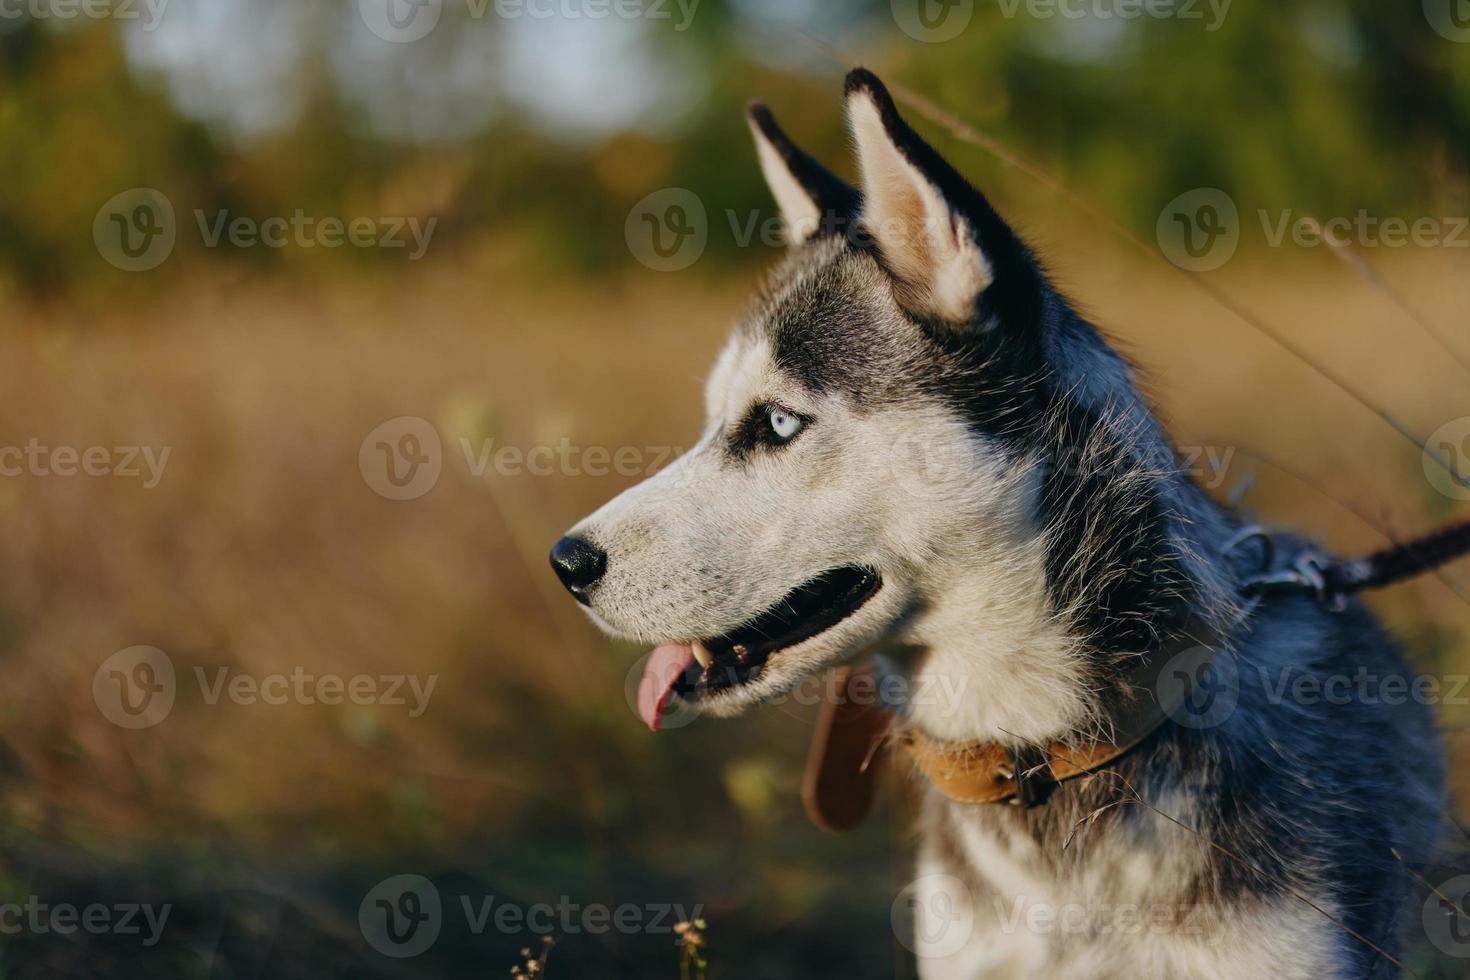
column 528, row 322
column 496, row 125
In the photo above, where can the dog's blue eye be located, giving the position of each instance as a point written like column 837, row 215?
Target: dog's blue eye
column 764, row 425
column 784, row 425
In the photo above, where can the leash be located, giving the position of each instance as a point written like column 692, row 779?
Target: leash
column 1332, row 583
column 853, row 730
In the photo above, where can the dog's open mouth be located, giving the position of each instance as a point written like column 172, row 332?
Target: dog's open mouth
column 697, row 668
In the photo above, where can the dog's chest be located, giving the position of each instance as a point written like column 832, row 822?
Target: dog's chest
column 994, row 899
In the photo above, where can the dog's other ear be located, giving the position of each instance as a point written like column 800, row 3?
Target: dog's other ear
column 950, row 254
column 812, row 200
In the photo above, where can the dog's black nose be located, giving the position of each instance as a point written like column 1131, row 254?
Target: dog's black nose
column 579, row 564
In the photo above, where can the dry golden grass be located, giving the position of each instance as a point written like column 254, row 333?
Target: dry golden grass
column 264, row 549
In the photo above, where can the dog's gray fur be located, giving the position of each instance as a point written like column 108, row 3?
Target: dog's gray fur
column 978, row 444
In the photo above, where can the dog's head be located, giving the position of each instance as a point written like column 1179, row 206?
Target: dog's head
column 871, row 438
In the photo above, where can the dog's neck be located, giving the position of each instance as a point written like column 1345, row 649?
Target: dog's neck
column 1023, row 641
column 990, row 660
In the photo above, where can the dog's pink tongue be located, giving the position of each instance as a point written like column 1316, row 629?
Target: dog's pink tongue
column 665, row 666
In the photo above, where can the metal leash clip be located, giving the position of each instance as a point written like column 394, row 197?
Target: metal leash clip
column 1306, row 576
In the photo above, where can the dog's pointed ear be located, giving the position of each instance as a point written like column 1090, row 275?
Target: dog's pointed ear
column 938, row 237
column 812, row 200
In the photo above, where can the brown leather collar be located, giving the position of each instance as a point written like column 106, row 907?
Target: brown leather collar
column 853, row 731
column 989, row 772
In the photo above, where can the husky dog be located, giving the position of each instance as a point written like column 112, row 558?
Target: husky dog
column 917, row 451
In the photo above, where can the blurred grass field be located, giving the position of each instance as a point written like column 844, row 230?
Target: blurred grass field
column 263, row 549
column 529, row 325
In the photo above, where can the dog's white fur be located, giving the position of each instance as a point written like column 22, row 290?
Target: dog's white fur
column 1122, row 918
column 959, row 530
column 927, row 506
column 951, row 525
